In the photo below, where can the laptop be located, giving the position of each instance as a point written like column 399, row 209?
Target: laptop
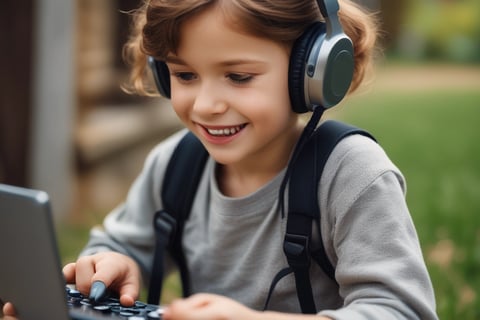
column 30, row 269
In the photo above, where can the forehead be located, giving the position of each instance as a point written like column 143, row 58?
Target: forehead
column 211, row 34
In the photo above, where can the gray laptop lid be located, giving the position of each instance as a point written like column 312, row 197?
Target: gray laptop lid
column 30, row 271
column 30, row 274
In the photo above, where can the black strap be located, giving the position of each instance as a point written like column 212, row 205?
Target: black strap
column 304, row 138
column 165, row 228
column 180, row 184
column 303, row 207
column 279, row 276
column 183, row 175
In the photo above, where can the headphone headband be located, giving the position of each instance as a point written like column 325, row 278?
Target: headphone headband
column 329, row 10
column 328, row 7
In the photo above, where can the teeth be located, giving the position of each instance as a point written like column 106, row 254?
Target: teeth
column 225, row 131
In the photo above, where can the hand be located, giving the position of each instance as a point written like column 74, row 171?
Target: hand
column 8, row 312
column 208, row 307
column 118, row 272
column 213, row 307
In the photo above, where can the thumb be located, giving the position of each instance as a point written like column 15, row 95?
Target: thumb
column 8, row 311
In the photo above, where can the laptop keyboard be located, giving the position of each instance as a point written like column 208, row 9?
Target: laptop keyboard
column 111, row 307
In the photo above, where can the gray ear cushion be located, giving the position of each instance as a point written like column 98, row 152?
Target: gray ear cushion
column 298, row 58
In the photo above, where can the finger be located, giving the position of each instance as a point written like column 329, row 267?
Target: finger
column 84, row 271
column 199, row 300
column 129, row 293
column 69, row 272
column 177, row 310
column 8, row 310
column 190, row 308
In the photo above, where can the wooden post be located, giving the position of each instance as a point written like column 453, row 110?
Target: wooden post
column 16, row 25
column 54, row 102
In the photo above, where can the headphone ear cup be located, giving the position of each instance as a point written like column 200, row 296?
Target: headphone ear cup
column 161, row 75
column 298, row 60
column 338, row 71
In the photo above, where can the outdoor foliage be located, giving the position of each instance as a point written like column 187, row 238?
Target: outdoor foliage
column 442, row 30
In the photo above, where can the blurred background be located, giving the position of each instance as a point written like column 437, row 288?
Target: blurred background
column 67, row 128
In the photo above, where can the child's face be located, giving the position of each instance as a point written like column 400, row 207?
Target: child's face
column 231, row 90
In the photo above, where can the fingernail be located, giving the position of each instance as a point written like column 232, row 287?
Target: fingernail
column 97, row 291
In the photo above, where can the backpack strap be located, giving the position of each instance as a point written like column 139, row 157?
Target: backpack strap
column 303, row 207
column 180, row 183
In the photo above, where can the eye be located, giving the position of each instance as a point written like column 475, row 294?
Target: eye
column 240, row 78
column 185, row 76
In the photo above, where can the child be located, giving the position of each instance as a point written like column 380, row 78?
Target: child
column 229, row 76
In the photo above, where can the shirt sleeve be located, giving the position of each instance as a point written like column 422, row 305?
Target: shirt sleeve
column 371, row 238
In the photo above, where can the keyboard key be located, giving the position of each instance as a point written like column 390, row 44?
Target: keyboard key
column 152, row 315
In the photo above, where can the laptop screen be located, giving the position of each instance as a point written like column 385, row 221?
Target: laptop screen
column 30, row 271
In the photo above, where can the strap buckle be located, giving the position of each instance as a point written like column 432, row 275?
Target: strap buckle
column 296, row 250
column 165, row 225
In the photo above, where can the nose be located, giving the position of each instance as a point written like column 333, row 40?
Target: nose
column 209, row 99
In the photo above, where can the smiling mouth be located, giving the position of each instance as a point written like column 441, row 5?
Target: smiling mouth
column 225, row 132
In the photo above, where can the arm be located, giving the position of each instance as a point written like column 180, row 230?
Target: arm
column 370, row 236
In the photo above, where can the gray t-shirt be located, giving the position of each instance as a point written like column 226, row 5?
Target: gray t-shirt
column 233, row 246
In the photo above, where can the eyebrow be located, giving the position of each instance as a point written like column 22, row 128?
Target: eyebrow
column 227, row 63
column 236, row 62
column 174, row 59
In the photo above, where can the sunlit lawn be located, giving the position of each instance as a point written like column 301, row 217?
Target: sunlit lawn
column 433, row 137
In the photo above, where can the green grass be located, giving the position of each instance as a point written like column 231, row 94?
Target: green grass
column 433, row 138
column 72, row 237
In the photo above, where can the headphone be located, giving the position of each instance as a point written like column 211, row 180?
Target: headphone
column 321, row 64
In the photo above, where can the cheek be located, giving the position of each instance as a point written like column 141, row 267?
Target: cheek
column 268, row 111
column 275, row 89
column 272, row 99
column 180, row 102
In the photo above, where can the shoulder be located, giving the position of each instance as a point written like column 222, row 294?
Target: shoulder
column 160, row 155
column 354, row 165
column 156, row 162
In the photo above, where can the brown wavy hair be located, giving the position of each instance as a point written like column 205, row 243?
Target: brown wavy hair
column 156, row 25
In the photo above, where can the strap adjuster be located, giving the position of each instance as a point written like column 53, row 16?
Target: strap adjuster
column 165, row 225
column 296, row 250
